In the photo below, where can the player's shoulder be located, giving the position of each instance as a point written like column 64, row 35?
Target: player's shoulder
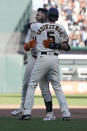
column 32, row 23
column 35, row 23
column 28, row 25
column 61, row 26
column 34, row 26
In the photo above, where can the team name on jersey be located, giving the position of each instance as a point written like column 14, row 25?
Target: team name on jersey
column 47, row 26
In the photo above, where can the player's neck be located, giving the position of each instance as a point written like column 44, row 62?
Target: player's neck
column 51, row 22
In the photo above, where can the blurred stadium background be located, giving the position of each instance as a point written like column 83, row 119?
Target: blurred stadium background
column 14, row 17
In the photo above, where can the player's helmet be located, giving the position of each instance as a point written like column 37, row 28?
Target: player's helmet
column 53, row 14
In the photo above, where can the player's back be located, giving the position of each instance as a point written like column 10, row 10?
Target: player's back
column 45, row 31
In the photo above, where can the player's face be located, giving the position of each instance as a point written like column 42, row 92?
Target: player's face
column 40, row 16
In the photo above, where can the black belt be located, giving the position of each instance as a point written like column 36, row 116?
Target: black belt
column 45, row 53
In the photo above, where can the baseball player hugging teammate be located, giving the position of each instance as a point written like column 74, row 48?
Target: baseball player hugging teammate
column 50, row 38
column 41, row 16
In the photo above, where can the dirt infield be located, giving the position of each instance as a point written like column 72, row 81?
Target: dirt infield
column 39, row 111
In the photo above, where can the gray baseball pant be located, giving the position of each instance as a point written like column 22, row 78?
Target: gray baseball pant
column 43, row 84
column 46, row 65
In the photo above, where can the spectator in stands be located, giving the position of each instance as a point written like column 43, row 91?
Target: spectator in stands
column 84, row 36
column 45, row 3
column 50, row 3
column 75, row 13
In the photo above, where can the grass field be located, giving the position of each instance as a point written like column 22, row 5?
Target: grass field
column 37, row 124
column 73, row 100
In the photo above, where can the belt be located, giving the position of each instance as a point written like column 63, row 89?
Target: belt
column 50, row 53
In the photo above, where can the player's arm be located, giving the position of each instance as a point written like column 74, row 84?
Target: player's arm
column 60, row 46
column 29, row 43
column 64, row 41
column 64, row 46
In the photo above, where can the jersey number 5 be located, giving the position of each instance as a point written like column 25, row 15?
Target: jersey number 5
column 51, row 35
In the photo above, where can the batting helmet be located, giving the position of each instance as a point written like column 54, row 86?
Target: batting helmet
column 53, row 14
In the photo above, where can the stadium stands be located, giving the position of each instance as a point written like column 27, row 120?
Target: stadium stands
column 67, row 72
column 82, row 73
column 73, row 67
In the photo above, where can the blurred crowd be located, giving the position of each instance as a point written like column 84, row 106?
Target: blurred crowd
column 50, row 3
column 73, row 16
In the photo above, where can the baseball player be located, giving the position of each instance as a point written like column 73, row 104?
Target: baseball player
column 41, row 16
column 47, row 63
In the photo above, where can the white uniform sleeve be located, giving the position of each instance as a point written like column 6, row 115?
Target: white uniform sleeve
column 28, row 37
column 64, row 36
column 34, row 26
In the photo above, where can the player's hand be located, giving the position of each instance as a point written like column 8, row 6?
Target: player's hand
column 32, row 43
column 47, row 42
column 65, row 46
column 26, row 47
column 29, row 45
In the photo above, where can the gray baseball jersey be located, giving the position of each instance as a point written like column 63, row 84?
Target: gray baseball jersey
column 47, row 30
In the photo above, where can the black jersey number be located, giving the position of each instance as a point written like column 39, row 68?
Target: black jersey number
column 51, row 35
column 34, row 37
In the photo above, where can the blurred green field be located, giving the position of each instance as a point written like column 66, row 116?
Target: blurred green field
column 73, row 100
column 37, row 124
